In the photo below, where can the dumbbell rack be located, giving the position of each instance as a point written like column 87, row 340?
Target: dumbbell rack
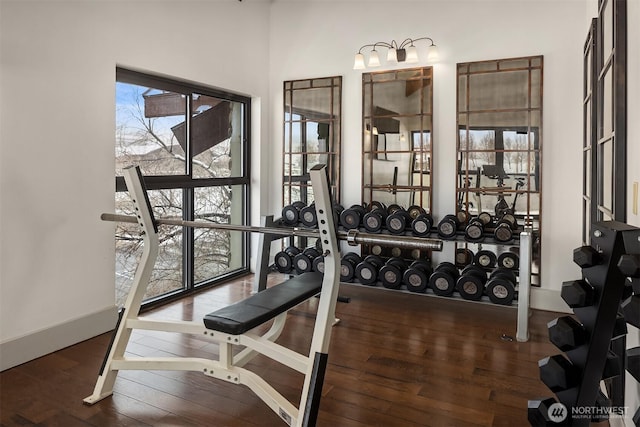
column 524, row 274
column 591, row 359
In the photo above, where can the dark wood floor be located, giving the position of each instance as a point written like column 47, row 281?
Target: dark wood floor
column 396, row 359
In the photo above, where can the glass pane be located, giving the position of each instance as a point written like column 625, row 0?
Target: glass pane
column 313, row 103
column 293, row 136
column 387, row 101
column 149, row 130
column 514, row 63
column 607, row 104
column 216, row 137
column 167, row 272
column 507, row 119
column 502, row 90
column 607, row 29
column 217, row 252
column 478, row 139
column 536, row 88
column 607, row 173
column 518, row 140
column 587, row 124
column 462, row 93
column 483, row 66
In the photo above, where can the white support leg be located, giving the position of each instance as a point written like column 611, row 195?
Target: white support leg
column 524, row 287
column 325, row 318
column 107, row 377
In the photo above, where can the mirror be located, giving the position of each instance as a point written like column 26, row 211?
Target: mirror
column 500, row 140
column 396, row 140
column 312, row 116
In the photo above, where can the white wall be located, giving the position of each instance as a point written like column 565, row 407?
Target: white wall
column 57, row 141
column 316, row 39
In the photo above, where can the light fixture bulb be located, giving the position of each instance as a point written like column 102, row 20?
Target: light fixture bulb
column 412, row 54
column 358, row 63
column 392, row 55
column 374, row 59
column 432, row 53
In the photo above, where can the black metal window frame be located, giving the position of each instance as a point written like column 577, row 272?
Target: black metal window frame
column 188, row 183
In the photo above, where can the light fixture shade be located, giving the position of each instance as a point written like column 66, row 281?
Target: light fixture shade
column 358, row 63
column 432, row 53
column 374, row 59
column 412, row 54
column 392, row 55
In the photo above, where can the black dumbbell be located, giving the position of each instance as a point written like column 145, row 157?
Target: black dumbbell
column 631, row 309
column 443, row 279
column 464, row 257
column 421, row 225
column 511, row 219
column 503, row 232
column 629, row 265
column 284, row 259
column 367, row 270
column 539, row 412
column 318, row 264
column 471, row 283
column 474, row 231
column 566, row 333
column 611, row 366
column 415, row 210
column 416, row 277
column 558, row 373
column 578, row 293
column 348, row 265
column 308, row 216
column 398, row 221
column 291, row 213
column 303, row 262
column 509, row 260
column 374, row 220
column 463, row 218
column 485, row 259
column 501, row 286
column 390, row 273
column 448, row 227
column 377, row 204
column 619, row 327
column 485, row 217
column 393, row 207
column 586, row 256
column 602, row 401
column 351, row 218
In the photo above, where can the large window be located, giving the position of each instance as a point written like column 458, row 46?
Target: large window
column 191, row 143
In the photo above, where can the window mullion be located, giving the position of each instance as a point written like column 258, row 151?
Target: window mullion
column 188, row 205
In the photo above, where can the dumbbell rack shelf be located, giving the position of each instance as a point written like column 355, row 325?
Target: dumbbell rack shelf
column 521, row 302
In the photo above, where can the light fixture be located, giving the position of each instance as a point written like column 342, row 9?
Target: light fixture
column 403, row 52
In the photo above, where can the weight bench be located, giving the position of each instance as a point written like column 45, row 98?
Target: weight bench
column 261, row 307
column 233, row 326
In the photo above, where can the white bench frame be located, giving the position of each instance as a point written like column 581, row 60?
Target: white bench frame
column 229, row 367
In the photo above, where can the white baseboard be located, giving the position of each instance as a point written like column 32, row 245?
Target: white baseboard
column 548, row 300
column 16, row 351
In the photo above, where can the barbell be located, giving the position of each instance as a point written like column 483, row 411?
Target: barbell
column 353, row 237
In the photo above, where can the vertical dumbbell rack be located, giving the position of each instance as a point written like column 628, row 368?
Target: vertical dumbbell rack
column 576, row 381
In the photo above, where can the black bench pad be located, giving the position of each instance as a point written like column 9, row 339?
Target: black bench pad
column 259, row 308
